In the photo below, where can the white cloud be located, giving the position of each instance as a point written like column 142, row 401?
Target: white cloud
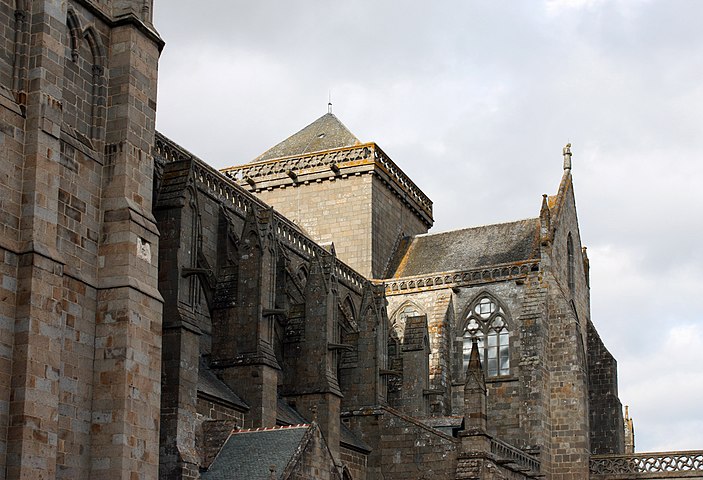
column 554, row 6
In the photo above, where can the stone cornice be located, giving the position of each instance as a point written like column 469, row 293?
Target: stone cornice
column 331, row 165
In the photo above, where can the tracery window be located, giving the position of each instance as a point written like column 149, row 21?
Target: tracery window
column 486, row 322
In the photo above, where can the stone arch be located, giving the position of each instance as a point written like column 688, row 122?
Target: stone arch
column 349, row 312
column 487, row 320
column 346, row 475
column 196, row 238
column 85, row 84
column 302, row 274
column 347, row 334
column 99, row 91
column 20, row 57
column 397, row 320
column 74, row 33
column 494, row 298
column 96, row 46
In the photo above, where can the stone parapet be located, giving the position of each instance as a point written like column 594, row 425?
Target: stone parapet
column 665, row 465
column 343, row 162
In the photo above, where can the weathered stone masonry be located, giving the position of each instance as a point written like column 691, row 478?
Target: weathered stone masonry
column 286, row 318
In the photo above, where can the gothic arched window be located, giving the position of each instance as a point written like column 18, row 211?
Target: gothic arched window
column 487, row 323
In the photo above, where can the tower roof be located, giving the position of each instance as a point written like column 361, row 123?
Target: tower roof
column 325, row 133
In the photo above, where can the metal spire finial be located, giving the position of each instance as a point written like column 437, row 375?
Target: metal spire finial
column 329, row 102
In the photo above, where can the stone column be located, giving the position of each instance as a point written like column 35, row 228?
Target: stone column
column 127, row 365
column 38, row 327
column 243, row 336
column 315, row 390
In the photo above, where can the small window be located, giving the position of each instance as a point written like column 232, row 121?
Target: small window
column 486, row 322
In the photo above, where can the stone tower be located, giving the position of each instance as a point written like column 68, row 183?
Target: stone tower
column 338, row 189
column 80, row 313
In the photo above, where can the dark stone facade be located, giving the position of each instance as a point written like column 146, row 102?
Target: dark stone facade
column 158, row 317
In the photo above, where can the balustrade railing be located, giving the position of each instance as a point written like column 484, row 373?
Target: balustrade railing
column 643, row 463
column 505, row 451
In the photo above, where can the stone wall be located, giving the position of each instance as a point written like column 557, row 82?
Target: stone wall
column 391, row 220
column 331, row 211
column 605, row 409
column 314, row 462
column 403, row 448
column 11, row 161
column 355, row 462
column 84, row 366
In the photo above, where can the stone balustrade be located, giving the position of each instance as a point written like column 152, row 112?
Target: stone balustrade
column 685, row 464
column 506, row 453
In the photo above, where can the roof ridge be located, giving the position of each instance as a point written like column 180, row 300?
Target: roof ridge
column 429, row 234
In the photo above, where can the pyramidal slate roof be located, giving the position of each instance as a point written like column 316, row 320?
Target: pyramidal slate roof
column 468, row 249
column 249, row 454
column 325, row 133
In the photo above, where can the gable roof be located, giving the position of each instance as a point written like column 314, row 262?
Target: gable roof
column 469, row 248
column 325, row 133
column 251, row 453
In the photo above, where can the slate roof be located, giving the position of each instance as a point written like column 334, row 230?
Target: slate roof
column 349, row 439
column 248, row 454
column 287, row 415
column 468, row 249
column 212, row 386
column 325, row 133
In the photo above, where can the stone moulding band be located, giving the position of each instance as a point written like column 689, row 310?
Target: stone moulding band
column 371, row 152
column 229, row 192
column 494, row 273
column 644, row 463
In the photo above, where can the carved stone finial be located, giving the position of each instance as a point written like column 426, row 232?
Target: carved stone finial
column 566, row 151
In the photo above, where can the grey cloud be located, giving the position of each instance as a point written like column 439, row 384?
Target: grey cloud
column 474, row 100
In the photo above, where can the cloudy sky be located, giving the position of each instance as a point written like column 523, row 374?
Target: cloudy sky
column 474, row 100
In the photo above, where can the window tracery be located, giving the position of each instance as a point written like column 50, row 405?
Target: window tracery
column 486, row 321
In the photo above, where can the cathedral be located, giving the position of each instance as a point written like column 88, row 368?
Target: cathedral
column 287, row 318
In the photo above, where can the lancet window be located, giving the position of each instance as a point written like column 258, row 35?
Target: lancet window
column 570, row 264
column 486, row 321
